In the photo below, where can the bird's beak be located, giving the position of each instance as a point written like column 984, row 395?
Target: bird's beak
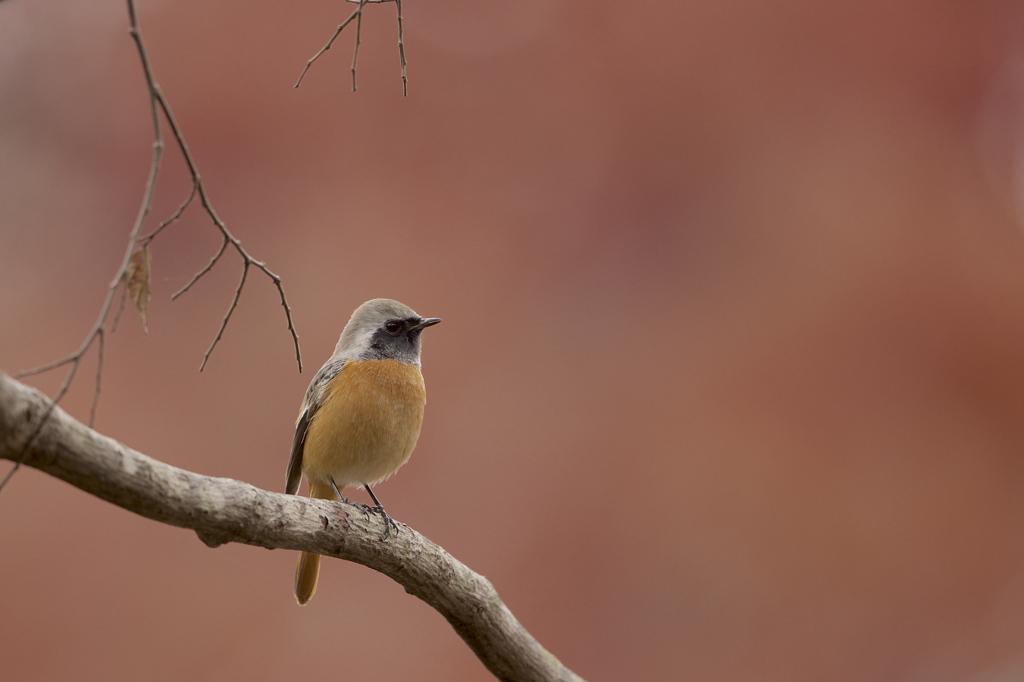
column 425, row 322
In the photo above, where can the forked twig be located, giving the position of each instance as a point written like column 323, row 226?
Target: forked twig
column 330, row 42
column 99, row 329
column 358, row 16
column 204, row 199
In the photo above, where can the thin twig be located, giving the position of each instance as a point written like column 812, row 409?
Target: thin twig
column 99, row 329
column 329, row 43
column 99, row 378
column 208, row 207
column 358, row 16
column 144, row 241
column 359, row 39
column 401, row 50
column 224, row 324
column 209, row 266
column 10, row 472
column 46, row 368
column 120, row 309
column 199, row 187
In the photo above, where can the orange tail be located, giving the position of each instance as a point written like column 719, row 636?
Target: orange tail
column 306, row 575
column 308, row 570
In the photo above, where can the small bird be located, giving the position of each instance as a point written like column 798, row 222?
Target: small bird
column 361, row 416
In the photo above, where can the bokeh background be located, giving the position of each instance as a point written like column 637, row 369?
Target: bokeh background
column 730, row 384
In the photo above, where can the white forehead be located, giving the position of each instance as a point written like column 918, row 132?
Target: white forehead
column 367, row 319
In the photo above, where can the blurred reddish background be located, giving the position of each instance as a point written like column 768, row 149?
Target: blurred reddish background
column 730, row 384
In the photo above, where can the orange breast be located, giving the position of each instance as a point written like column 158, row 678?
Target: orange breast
column 367, row 424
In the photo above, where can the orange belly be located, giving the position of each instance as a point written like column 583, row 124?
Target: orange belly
column 367, row 424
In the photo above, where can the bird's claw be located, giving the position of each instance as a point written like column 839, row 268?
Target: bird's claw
column 389, row 522
column 366, row 509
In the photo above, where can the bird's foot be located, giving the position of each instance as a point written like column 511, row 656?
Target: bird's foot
column 389, row 522
column 365, row 508
column 361, row 507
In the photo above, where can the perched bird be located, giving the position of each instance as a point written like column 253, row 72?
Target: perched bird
column 361, row 415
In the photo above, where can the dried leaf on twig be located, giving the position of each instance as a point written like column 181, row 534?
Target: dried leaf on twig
column 136, row 281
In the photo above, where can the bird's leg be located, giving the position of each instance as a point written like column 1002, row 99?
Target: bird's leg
column 362, row 507
column 389, row 523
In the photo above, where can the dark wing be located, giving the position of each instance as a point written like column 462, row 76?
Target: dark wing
column 295, row 463
column 310, row 406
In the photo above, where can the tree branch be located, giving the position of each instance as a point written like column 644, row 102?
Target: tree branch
column 159, row 103
column 358, row 16
column 222, row 510
column 99, row 330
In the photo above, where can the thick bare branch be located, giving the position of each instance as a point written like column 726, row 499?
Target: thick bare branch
column 222, row 510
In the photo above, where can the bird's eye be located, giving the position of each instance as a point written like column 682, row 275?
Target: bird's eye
column 392, row 326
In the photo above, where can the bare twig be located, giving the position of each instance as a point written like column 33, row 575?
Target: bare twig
column 120, row 309
column 359, row 39
column 222, row 510
column 358, row 16
column 99, row 378
column 209, row 266
column 99, row 329
column 329, row 43
column 224, row 324
column 144, row 241
column 401, row 50
column 204, row 198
